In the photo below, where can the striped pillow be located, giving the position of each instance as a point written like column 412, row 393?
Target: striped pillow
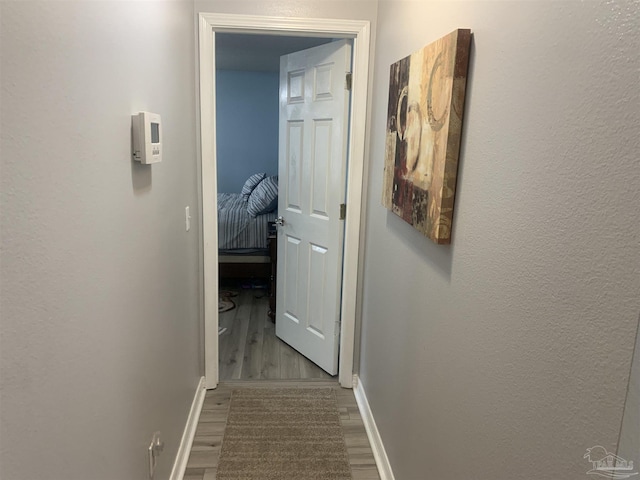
column 251, row 183
column 264, row 198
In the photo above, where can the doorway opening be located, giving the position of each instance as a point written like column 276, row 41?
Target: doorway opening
column 358, row 31
column 247, row 134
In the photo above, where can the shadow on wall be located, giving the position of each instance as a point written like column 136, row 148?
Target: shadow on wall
column 440, row 256
column 141, row 176
column 468, row 106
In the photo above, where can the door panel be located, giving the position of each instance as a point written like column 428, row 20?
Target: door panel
column 314, row 106
column 295, row 81
column 291, row 269
column 295, row 134
column 316, row 290
column 320, row 168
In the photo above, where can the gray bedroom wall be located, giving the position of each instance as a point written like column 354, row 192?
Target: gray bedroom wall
column 247, row 126
column 507, row 354
column 99, row 279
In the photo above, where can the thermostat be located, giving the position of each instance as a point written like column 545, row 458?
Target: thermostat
column 147, row 137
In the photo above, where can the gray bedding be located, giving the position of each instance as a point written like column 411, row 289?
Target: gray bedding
column 236, row 228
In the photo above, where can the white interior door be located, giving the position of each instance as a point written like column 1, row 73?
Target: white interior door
column 314, row 107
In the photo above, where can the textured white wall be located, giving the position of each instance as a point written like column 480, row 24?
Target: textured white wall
column 346, row 9
column 99, row 280
column 507, row 354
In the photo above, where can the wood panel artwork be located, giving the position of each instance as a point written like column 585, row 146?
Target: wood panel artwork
column 424, row 125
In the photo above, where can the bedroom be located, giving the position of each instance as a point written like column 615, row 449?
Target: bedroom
column 247, row 109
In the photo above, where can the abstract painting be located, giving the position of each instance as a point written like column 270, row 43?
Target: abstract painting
column 424, row 125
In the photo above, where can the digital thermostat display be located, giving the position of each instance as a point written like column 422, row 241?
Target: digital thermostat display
column 147, row 137
column 155, row 132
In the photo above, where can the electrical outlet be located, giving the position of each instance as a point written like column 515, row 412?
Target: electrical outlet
column 155, row 449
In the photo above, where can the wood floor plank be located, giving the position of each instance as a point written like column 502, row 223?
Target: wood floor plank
column 289, row 362
column 215, row 398
column 363, row 473
column 203, row 459
column 361, row 455
column 225, row 322
column 213, row 415
column 252, row 365
column 230, row 340
column 209, row 429
column 270, row 352
column 244, row 327
column 202, row 442
column 210, row 473
column 194, row 474
column 308, row 369
column 225, row 319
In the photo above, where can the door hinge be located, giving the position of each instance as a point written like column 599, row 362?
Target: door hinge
column 343, row 211
column 348, row 80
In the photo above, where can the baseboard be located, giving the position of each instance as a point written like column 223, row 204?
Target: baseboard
column 379, row 453
column 180, row 464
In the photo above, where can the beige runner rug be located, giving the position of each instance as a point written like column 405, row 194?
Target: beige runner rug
column 283, row 434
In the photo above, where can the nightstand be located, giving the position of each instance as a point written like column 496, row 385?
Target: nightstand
column 273, row 254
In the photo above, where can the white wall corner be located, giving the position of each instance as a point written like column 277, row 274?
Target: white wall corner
column 180, row 464
column 379, row 453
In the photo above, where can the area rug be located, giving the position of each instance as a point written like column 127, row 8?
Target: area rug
column 283, row 434
column 224, row 300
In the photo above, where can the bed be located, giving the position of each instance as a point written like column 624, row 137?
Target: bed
column 244, row 221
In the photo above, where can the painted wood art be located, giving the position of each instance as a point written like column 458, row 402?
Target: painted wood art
column 424, row 124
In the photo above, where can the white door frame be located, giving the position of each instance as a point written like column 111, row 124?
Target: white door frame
column 359, row 31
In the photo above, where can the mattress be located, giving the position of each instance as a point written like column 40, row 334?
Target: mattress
column 236, row 228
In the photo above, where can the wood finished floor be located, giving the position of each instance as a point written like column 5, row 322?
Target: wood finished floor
column 205, row 452
column 249, row 348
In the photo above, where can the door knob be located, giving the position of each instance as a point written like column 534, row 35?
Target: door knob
column 279, row 221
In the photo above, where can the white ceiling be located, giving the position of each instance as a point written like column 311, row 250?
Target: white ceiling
column 260, row 53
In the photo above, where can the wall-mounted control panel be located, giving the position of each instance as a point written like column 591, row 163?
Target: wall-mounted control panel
column 147, row 137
